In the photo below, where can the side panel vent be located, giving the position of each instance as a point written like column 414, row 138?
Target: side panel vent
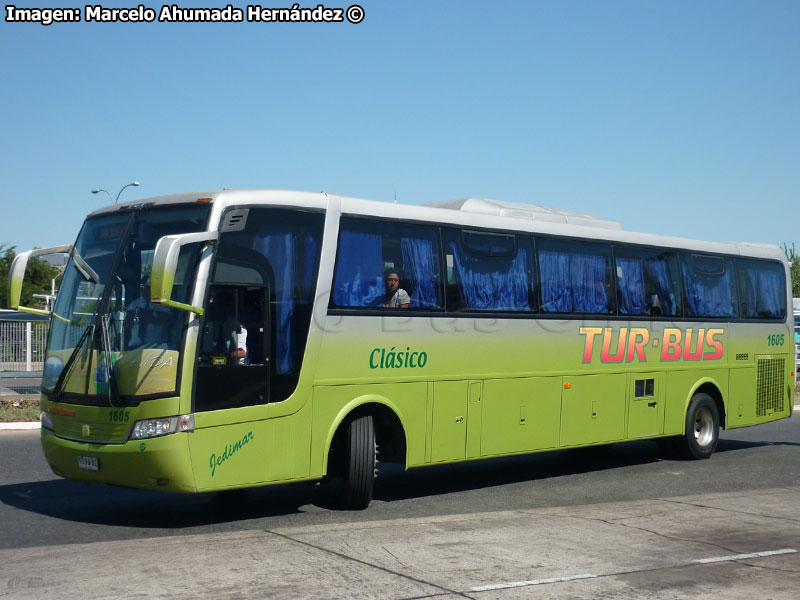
column 234, row 220
column 770, row 385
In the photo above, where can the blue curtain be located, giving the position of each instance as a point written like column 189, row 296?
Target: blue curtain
column 631, row 286
column 419, row 264
column 556, row 284
column 310, row 252
column 589, row 283
column 763, row 294
column 573, row 282
column 359, row 274
column 658, row 274
column 749, row 300
column 708, row 295
column 492, row 283
column 279, row 248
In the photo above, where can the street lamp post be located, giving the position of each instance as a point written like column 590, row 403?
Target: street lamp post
column 114, row 200
column 131, row 184
column 97, row 191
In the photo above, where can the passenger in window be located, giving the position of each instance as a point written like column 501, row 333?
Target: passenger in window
column 396, row 297
column 655, row 310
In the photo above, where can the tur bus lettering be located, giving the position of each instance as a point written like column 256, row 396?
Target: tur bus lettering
column 629, row 344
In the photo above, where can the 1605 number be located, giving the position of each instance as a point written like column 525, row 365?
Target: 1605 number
column 775, row 339
column 119, row 416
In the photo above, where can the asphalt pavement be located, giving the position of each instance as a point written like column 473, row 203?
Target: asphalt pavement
column 623, row 524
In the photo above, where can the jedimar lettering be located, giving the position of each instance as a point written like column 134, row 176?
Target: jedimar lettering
column 630, row 344
column 231, row 449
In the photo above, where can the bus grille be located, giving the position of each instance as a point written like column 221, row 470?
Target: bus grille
column 769, row 386
column 98, row 433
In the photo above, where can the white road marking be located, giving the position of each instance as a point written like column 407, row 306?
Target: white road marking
column 516, row 584
column 716, row 559
column 713, row 559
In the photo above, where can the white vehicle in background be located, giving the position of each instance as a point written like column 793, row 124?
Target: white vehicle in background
column 796, row 303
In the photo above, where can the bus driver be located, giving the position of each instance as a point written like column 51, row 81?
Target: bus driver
column 225, row 335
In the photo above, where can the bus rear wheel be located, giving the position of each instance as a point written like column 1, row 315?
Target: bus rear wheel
column 701, row 432
column 359, row 464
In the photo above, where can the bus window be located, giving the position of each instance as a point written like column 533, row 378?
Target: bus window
column 709, row 286
column 648, row 282
column 762, row 288
column 370, row 249
column 488, row 271
column 575, row 277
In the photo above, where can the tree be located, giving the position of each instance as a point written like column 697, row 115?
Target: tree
column 792, row 255
column 38, row 277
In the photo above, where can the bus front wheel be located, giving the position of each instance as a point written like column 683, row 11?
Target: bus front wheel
column 701, row 433
column 359, row 463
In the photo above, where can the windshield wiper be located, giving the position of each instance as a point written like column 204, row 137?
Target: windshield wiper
column 108, row 363
column 62, row 377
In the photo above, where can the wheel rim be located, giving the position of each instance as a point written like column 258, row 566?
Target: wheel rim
column 704, row 427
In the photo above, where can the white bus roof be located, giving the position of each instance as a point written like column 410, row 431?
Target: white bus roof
column 531, row 212
column 469, row 212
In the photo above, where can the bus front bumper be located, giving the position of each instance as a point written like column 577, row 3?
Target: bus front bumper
column 161, row 463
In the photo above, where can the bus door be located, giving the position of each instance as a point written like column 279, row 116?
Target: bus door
column 232, row 376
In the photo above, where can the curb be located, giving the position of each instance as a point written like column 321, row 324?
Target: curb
column 19, row 426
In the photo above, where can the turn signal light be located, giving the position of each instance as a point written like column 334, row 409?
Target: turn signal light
column 46, row 420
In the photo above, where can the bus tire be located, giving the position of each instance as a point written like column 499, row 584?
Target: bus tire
column 701, row 433
column 359, row 464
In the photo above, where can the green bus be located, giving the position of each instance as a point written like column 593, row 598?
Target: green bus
column 229, row 339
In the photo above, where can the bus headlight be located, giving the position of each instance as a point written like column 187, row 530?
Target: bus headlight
column 150, row 428
column 46, row 420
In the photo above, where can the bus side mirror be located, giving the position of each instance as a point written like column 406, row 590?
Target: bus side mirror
column 165, row 263
column 17, row 273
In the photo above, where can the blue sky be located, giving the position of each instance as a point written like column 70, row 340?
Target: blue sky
column 681, row 118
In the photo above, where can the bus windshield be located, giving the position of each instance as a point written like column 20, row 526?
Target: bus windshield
column 107, row 341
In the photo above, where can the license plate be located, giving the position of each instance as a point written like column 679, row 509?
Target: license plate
column 88, row 462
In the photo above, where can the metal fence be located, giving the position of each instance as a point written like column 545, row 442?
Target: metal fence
column 22, row 345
